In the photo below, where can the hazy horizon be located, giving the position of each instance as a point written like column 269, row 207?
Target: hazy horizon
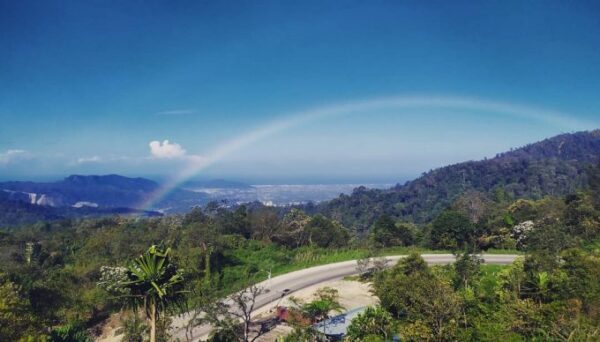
column 305, row 92
column 242, row 179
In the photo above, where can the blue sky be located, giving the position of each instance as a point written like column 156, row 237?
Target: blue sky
column 86, row 86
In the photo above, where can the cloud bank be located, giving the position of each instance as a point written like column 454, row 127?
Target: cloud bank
column 10, row 156
column 86, row 160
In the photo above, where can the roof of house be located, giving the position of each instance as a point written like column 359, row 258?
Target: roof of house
column 337, row 325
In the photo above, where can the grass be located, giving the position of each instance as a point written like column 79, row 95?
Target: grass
column 503, row 251
column 257, row 259
column 593, row 245
column 488, row 269
column 309, row 257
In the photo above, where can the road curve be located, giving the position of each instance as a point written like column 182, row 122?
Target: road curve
column 298, row 280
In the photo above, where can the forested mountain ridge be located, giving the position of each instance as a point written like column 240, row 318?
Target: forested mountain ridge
column 75, row 196
column 83, row 196
column 555, row 166
column 101, row 191
column 16, row 213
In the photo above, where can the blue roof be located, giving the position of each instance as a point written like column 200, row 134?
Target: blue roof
column 337, row 325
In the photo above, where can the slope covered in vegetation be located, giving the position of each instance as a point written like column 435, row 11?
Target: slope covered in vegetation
column 556, row 167
column 50, row 271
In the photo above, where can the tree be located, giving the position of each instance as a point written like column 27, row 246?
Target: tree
column 232, row 318
column 512, row 277
column 326, row 301
column 594, row 182
column 243, row 307
column 473, row 204
column 15, row 317
column 379, row 264
column 300, row 334
column 398, row 288
column 386, row 232
column 152, row 282
column 236, row 222
column 452, row 230
column 466, row 269
column 70, row 333
column 265, row 224
column 362, row 265
column 415, row 295
column 583, row 281
column 581, row 216
column 293, row 232
column 374, row 321
column 326, row 233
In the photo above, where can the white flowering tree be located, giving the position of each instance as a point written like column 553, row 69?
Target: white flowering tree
column 521, row 231
column 150, row 282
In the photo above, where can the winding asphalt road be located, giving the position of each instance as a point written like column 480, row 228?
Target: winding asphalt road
column 286, row 284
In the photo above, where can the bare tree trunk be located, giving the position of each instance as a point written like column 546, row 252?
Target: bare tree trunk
column 153, row 322
column 246, row 331
column 207, row 269
column 244, row 302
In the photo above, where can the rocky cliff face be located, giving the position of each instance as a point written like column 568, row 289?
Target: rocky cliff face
column 32, row 198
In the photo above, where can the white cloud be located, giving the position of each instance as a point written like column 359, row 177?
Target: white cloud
column 166, row 150
column 11, row 156
column 86, row 160
column 176, row 112
column 100, row 159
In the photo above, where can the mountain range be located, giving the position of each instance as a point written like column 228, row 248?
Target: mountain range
column 93, row 191
column 97, row 195
column 555, row 166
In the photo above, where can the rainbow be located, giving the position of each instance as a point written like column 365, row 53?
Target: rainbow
column 291, row 120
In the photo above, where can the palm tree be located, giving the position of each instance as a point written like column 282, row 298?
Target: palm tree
column 155, row 284
column 326, row 301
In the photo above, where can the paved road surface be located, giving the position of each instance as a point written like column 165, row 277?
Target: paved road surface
column 298, row 280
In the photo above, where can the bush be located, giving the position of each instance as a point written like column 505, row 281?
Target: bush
column 374, row 322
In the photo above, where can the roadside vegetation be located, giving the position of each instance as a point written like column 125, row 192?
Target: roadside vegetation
column 537, row 298
column 53, row 275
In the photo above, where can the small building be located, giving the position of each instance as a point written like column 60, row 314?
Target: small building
column 284, row 314
column 335, row 327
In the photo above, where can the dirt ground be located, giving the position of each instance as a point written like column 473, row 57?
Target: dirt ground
column 353, row 294
column 108, row 329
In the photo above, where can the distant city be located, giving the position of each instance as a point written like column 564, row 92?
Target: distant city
column 282, row 194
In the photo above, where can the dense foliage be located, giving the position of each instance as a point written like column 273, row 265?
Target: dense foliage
column 541, row 297
column 50, row 271
column 554, row 167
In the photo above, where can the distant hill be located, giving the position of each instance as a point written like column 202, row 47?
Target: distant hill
column 92, row 195
column 15, row 212
column 555, row 166
column 82, row 196
column 98, row 191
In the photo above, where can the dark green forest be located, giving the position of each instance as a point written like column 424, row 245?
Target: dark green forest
column 556, row 166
